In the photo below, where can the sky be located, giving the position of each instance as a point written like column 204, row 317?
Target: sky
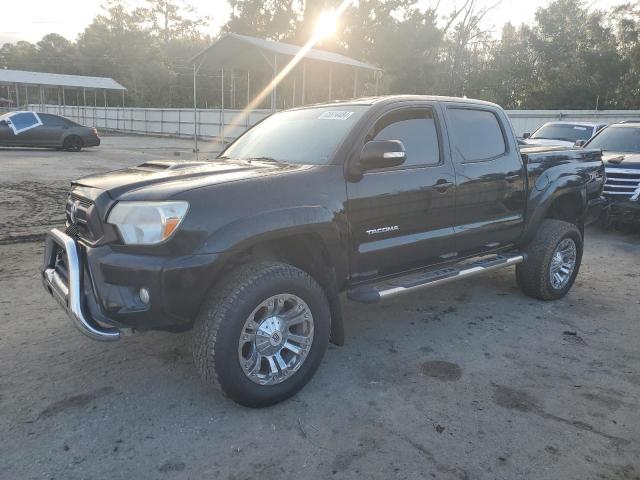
column 32, row 19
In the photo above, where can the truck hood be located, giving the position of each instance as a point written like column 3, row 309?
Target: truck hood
column 621, row 159
column 167, row 177
column 548, row 142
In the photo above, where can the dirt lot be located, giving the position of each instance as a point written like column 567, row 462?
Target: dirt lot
column 469, row 381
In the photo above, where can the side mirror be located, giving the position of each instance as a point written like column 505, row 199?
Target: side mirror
column 579, row 143
column 382, row 154
column 526, row 135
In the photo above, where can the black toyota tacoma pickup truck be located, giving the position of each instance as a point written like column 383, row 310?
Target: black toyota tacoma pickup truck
column 373, row 197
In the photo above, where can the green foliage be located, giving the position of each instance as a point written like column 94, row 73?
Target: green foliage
column 571, row 57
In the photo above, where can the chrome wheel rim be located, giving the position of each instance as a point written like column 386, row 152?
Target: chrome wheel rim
column 276, row 339
column 563, row 263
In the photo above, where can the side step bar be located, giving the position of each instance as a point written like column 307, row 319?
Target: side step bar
column 431, row 278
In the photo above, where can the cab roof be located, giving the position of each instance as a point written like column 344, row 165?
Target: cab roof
column 388, row 99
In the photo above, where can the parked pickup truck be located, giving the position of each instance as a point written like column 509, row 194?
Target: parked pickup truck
column 620, row 145
column 375, row 197
column 563, row 134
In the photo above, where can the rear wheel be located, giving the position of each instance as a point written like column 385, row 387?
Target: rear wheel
column 553, row 261
column 72, row 143
column 262, row 334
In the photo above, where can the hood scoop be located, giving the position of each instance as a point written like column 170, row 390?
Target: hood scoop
column 170, row 165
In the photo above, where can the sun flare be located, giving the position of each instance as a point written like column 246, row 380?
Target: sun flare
column 326, row 25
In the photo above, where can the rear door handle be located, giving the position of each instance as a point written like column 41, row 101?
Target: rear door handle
column 443, row 185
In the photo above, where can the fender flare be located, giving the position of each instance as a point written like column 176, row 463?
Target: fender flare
column 269, row 225
column 540, row 204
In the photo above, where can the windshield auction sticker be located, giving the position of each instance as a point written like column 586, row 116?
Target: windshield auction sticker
column 335, row 115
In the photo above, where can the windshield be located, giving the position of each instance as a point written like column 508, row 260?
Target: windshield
column 307, row 136
column 570, row 133
column 618, row 139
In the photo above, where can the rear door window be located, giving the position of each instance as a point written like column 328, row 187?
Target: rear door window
column 52, row 121
column 416, row 129
column 23, row 121
column 476, row 134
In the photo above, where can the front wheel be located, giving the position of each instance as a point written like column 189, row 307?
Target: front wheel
column 553, row 261
column 262, row 334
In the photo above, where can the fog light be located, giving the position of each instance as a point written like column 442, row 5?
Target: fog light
column 144, row 295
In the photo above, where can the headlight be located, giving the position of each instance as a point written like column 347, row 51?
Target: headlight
column 147, row 223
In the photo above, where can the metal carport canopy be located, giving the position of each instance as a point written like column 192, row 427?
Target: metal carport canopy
column 12, row 77
column 245, row 53
column 235, row 49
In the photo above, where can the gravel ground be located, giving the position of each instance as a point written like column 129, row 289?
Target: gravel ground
column 34, row 182
column 469, row 381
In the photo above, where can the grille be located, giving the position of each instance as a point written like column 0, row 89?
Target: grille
column 622, row 184
column 72, row 231
column 80, row 229
column 83, row 201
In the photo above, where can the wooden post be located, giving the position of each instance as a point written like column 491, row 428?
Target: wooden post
column 355, row 83
column 274, row 92
column 248, row 87
column 293, row 96
column 195, row 112
column 304, row 80
column 222, row 111
column 232, row 100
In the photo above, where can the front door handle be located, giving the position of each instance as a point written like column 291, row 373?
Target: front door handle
column 443, row 185
column 511, row 178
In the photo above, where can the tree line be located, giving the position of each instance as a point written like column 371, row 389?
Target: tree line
column 571, row 56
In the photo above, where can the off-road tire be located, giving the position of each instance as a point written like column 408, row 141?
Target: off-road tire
column 533, row 274
column 217, row 330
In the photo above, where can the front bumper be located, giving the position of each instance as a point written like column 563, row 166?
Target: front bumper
column 595, row 207
column 623, row 212
column 99, row 287
column 68, row 292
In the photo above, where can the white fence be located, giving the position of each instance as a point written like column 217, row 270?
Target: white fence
column 180, row 121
